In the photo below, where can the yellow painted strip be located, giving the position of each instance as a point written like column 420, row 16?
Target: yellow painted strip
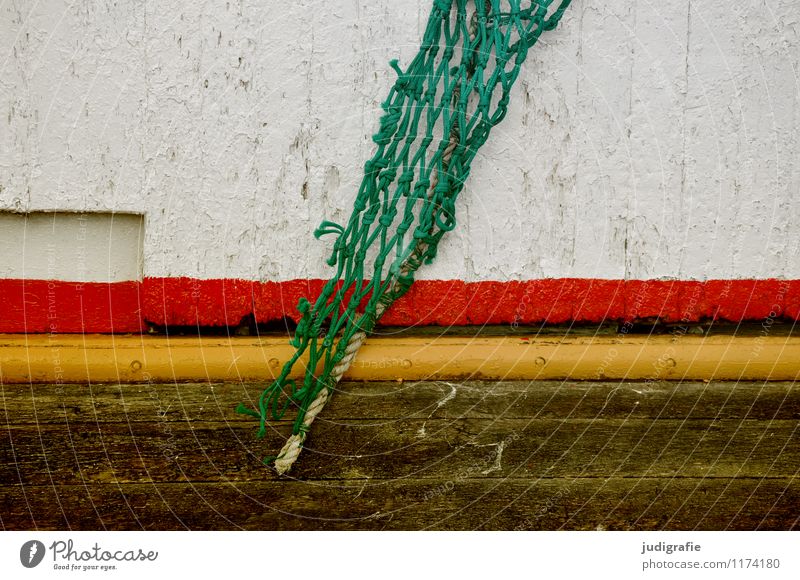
column 101, row 358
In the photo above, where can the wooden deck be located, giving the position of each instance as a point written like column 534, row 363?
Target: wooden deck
column 413, row 455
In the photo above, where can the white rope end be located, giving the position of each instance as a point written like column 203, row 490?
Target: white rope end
column 289, row 453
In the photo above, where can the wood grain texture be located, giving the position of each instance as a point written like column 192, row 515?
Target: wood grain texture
column 441, row 455
column 110, row 403
column 399, row 448
column 552, row 504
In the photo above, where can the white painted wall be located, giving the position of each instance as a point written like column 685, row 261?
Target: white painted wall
column 645, row 139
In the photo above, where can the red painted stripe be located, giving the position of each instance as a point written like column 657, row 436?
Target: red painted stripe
column 39, row 306
column 42, row 306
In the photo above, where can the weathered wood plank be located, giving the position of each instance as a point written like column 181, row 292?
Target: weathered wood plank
column 389, row 449
column 545, row 504
column 38, row 404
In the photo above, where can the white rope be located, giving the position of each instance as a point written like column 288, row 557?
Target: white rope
column 291, row 450
column 294, row 444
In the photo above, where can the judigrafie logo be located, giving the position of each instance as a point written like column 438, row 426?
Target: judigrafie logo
column 31, row 553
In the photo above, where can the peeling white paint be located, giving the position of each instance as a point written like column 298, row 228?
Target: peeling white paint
column 644, row 140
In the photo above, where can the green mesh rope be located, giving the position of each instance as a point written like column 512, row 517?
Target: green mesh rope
column 437, row 115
